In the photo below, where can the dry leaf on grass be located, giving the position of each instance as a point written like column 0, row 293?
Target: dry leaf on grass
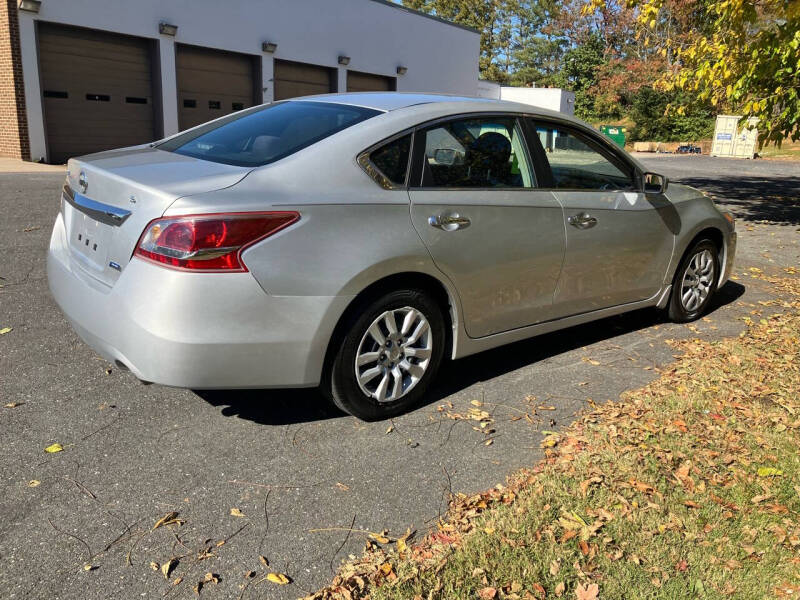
column 587, row 592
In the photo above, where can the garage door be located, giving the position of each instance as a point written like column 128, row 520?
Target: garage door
column 212, row 83
column 293, row 79
column 367, row 82
column 97, row 90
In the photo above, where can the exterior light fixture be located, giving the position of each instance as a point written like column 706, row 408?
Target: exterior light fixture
column 167, row 29
column 401, row 70
column 269, row 47
column 344, row 60
column 30, row 5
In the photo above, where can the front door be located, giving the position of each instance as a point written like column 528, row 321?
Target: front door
column 475, row 205
column 619, row 239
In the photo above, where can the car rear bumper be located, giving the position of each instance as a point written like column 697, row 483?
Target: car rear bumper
column 195, row 330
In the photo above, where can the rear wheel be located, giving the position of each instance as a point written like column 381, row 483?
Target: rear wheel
column 695, row 282
column 388, row 355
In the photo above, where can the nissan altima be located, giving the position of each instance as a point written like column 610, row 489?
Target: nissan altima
column 355, row 241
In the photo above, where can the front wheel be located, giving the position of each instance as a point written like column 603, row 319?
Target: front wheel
column 388, row 356
column 695, row 282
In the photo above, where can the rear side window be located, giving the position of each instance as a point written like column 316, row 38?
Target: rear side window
column 388, row 164
column 482, row 152
column 577, row 163
column 265, row 135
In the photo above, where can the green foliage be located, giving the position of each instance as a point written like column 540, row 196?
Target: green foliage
column 579, row 74
column 742, row 56
column 633, row 60
column 653, row 121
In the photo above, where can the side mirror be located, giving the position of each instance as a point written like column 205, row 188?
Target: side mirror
column 444, row 156
column 655, row 183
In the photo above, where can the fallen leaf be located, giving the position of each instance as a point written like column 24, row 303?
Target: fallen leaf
column 263, row 560
column 154, row 565
column 487, row 593
column 278, row 578
column 555, row 567
column 380, row 538
column 5, row 330
column 211, row 578
column 89, row 567
column 389, row 429
column 168, row 519
column 681, row 566
column 769, row 472
column 34, row 483
column 54, row 448
column 13, row 404
column 342, row 486
column 587, row 592
column 167, row 567
column 559, row 591
column 235, row 512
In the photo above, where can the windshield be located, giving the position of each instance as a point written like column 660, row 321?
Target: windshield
column 267, row 134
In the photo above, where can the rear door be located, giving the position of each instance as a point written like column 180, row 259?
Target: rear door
column 619, row 239
column 476, row 206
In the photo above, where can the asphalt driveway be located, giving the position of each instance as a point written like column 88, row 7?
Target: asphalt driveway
column 301, row 474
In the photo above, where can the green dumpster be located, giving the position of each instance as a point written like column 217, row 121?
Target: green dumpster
column 616, row 133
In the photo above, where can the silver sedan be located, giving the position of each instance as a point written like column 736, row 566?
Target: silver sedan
column 355, row 241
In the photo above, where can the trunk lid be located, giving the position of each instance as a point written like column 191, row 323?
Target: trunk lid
column 124, row 190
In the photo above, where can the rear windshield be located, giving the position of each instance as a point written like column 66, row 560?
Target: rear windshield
column 267, row 134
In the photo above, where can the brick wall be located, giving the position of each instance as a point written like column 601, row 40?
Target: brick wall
column 14, row 139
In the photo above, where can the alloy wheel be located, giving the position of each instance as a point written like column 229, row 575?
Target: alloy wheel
column 393, row 354
column 698, row 279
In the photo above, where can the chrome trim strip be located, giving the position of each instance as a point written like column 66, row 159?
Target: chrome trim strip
column 104, row 213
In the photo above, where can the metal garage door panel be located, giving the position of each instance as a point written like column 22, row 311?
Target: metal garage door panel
column 97, row 90
column 212, row 83
column 367, row 82
column 293, row 79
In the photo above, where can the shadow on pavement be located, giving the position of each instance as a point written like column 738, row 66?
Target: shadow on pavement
column 290, row 406
column 773, row 199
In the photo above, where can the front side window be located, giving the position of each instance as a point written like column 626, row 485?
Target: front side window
column 578, row 165
column 478, row 152
column 264, row 135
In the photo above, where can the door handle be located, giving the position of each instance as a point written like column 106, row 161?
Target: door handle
column 450, row 222
column 582, row 221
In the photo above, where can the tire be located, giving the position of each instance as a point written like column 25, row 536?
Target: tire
column 361, row 399
column 704, row 286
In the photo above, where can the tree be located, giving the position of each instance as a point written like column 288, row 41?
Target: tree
column 739, row 55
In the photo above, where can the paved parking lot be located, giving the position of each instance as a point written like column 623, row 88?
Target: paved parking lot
column 300, row 473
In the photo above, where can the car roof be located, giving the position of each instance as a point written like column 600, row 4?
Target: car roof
column 444, row 103
column 389, row 101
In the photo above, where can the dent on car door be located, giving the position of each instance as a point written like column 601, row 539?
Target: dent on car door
column 619, row 239
column 475, row 204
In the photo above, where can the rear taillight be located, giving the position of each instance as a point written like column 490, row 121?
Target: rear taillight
column 208, row 242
